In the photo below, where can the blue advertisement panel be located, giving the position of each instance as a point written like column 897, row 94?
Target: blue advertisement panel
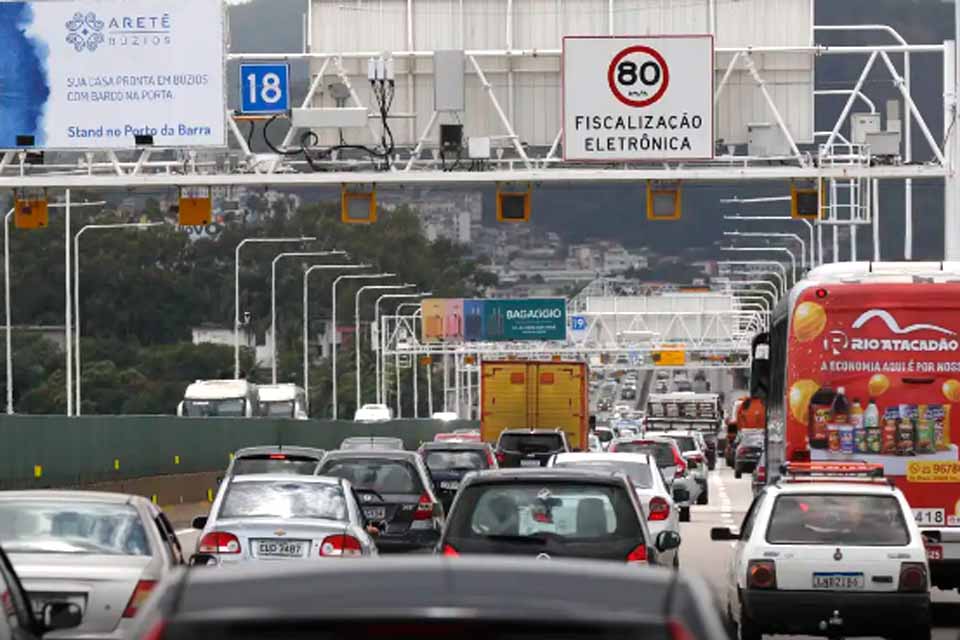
column 527, row 319
column 474, row 325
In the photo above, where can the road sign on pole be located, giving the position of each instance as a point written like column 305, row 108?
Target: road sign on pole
column 264, row 88
column 578, row 323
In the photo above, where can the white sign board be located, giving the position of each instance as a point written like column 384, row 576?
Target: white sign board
column 637, row 98
column 93, row 74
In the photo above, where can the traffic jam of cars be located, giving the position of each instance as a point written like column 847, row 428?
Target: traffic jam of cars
column 461, row 528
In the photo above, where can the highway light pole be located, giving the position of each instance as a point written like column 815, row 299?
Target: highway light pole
column 793, row 259
column 306, row 318
column 788, row 236
column 76, row 284
column 781, row 270
column 236, row 291
column 273, row 297
column 810, row 228
column 416, row 363
column 381, row 360
column 356, row 320
column 333, row 313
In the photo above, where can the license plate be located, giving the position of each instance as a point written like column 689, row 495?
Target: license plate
column 928, row 517
column 839, row 581
column 934, row 552
column 529, row 463
column 449, row 485
column 375, row 513
column 279, row 549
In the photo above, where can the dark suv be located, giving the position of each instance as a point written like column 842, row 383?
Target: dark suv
column 529, row 447
column 448, row 462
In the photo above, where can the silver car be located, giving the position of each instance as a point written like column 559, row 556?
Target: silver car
column 276, row 517
column 275, row 459
column 380, row 443
column 103, row 552
column 647, row 479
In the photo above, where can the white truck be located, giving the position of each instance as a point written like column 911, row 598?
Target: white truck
column 220, row 399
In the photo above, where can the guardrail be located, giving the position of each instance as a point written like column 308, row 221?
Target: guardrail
column 54, row 451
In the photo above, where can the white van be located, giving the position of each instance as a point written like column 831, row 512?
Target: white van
column 219, row 399
column 373, row 413
column 285, row 400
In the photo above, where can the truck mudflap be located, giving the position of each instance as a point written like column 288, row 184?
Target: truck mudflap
column 943, row 554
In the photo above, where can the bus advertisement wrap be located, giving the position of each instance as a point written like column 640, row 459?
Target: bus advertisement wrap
column 94, row 75
column 874, row 375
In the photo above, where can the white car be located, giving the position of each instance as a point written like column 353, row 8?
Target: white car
column 694, row 452
column 648, row 482
column 373, row 413
column 829, row 555
column 683, row 486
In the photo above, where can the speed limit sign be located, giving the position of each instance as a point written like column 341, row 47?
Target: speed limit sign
column 638, row 98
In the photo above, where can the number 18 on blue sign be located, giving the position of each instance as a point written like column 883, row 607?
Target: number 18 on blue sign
column 264, row 88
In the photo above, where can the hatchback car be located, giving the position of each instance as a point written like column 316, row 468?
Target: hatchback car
column 829, row 556
column 748, row 448
column 692, row 449
column 529, row 447
column 448, row 462
column 371, row 442
column 552, row 513
column 648, row 482
column 102, row 552
column 275, row 459
column 271, row 517
column 683, row 487
column 396, row 494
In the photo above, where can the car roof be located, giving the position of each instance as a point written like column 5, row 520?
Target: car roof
column 73, row 496
column 448, row 445
column 614, row 456
column 840, row 486
column 380, row 454
column 525, row 431
column 277, row 448
column 686, row 433
column 543, row 474
column 284, row 477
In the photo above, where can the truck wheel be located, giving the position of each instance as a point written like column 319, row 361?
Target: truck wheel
column 704, row 497
column 747, row 630
column 684, row 514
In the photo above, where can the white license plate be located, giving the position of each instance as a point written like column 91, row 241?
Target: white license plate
column 375, row 513
column 449, row 485
column 839, row 581
column 529, row 463
column 279, row 549
column 930, row 517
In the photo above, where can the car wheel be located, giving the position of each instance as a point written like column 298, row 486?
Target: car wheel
column 684, row 514
column 747, row 629
column 737, row 473
column 920, row 633
column 704, row 497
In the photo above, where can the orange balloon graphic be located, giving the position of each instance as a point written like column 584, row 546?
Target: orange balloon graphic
column 878, row 385
column 951, row 390
column 809, row 321
column 800, row 394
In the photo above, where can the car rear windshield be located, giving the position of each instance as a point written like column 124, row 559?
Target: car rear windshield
column 604, row 435
column 662, row 452
column 438, row 460
column 275, row 463
column 382, row 476
column 638, row 472
column 388, row 444
column 72, row 527
column 838, row 519
column 283, row 500
column 686, row 443
column 531, row 443
column 565, row 510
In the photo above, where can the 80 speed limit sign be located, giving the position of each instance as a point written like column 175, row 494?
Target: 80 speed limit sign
column 637, row 98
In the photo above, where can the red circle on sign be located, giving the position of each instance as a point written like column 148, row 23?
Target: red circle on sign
column 611, row 75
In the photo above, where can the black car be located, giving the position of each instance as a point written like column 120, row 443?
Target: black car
column 448, row 462
column 529, row 447
column 416, row 598
column 396, row 493
column 551, row 513
column 17, row 619
column 748, row 447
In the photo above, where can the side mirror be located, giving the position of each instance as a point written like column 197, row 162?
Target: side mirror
column 667, row 540
column 203, row 560
column 720, row 534
column 61, row 615
column 199, row 522
column 219, row 480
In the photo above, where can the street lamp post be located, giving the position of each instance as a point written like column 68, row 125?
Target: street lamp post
column 793, row 259
column 236, row 291
column 788, row 236
column 810, row 228
column 273, row 298
column 381, row 360
column 356, row 319
column 416, row 363
column 306, row 318
column 781, row 270
column 76, row 284
column 333, row 313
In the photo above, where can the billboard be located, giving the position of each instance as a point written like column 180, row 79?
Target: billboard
column 92, row 75
column 456, row 320
column 638, row 98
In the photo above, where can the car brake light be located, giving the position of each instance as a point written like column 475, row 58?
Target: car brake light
column 219, row 542
column 913, row 576
column 490, row 459
column 277, row 456
column 761, row 474
column 155, row 632
column 659, row 509
column 140, row 593
column 639, row 554
column 424, row 508
column 341, row 546
column 450, row 551
column 678, row 631
column 762, row 574
column 501, row 456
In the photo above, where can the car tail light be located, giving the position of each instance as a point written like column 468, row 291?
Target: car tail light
column 639, row 554
column 341, row 546
column 140, row 593
column 490, row 459
column 156, row 631
column 681, row 469
column 762, row 574
column 659, row 509
column 450, row 552
column 277, row 456
column 219, row 542
column 424, row 508
column 913, row 576
column 678, row 631
column 741, row 451
column 761, row 474
column 501, row 456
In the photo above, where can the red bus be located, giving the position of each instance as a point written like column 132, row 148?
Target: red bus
column 864, row 364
